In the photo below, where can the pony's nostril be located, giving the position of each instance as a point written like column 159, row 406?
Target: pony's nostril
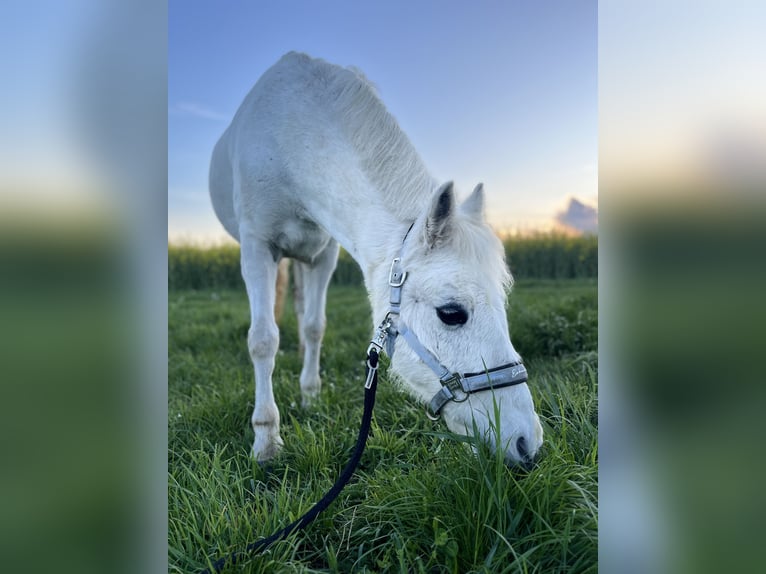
column 521, row 448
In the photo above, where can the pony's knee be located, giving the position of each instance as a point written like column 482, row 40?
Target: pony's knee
column 263, row 341
column 313, row 329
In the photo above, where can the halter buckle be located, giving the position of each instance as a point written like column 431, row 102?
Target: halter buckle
column 396, row 276
column 454, row 382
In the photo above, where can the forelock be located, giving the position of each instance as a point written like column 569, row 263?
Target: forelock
column 474, row 242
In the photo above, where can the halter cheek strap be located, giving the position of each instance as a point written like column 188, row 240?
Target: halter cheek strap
column 454, row 386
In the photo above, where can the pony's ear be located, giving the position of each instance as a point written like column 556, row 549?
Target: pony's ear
column 440, row 214
column 474, row 205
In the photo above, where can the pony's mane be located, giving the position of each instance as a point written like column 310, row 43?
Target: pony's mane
column 386, row 154
column 393, row 165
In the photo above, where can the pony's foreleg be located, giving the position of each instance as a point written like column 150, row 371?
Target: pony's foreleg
column 316, row 278
column 259, row 271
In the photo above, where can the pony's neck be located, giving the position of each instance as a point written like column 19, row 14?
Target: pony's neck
column 377, row 271
column 373, row 235
column 393, row 187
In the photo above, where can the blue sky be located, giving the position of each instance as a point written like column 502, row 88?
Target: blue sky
column 499, row 92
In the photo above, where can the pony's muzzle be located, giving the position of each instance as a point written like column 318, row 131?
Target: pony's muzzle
column 526, row 460
column 521, row 449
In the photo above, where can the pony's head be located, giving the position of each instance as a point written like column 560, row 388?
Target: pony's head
column 454, row 301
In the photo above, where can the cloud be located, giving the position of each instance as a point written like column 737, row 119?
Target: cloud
column 198, row 111
column 579, row 217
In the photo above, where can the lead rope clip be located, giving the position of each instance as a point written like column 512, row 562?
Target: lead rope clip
column 376, row 346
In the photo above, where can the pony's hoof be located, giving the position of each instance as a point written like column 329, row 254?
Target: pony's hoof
column 308, row 402
column 264, row 452
column 309, row 397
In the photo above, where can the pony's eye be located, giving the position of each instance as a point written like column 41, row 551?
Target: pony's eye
column 452, row 314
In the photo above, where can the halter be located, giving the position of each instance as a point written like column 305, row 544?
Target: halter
column 455, row 387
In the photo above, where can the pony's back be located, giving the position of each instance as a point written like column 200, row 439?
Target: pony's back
column 307, row 120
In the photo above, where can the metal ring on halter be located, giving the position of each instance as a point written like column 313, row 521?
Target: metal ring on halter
column 435, row 417
column 460, row 399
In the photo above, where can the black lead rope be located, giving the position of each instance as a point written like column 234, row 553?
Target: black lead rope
column 260, row 545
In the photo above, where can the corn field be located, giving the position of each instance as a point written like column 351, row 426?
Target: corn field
column 539, row 256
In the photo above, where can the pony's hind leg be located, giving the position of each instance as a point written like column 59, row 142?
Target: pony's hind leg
column 315, row 280
column 283, row 278
column 259, row 270
column 298, row 304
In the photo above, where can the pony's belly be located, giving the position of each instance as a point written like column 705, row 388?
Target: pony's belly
column 301, row 239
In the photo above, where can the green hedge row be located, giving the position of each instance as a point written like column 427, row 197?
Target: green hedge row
column 541, row 256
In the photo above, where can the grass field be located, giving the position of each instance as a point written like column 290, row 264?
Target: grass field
column 421, row 501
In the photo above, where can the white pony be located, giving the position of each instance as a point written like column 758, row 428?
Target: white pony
column 311, row 160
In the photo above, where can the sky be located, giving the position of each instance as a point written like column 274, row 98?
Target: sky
column 503, row 93
column 681, row 95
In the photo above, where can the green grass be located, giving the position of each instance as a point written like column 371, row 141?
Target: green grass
column 421, row 501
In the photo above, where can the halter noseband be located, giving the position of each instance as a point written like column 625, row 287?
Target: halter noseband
column 455, row 386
